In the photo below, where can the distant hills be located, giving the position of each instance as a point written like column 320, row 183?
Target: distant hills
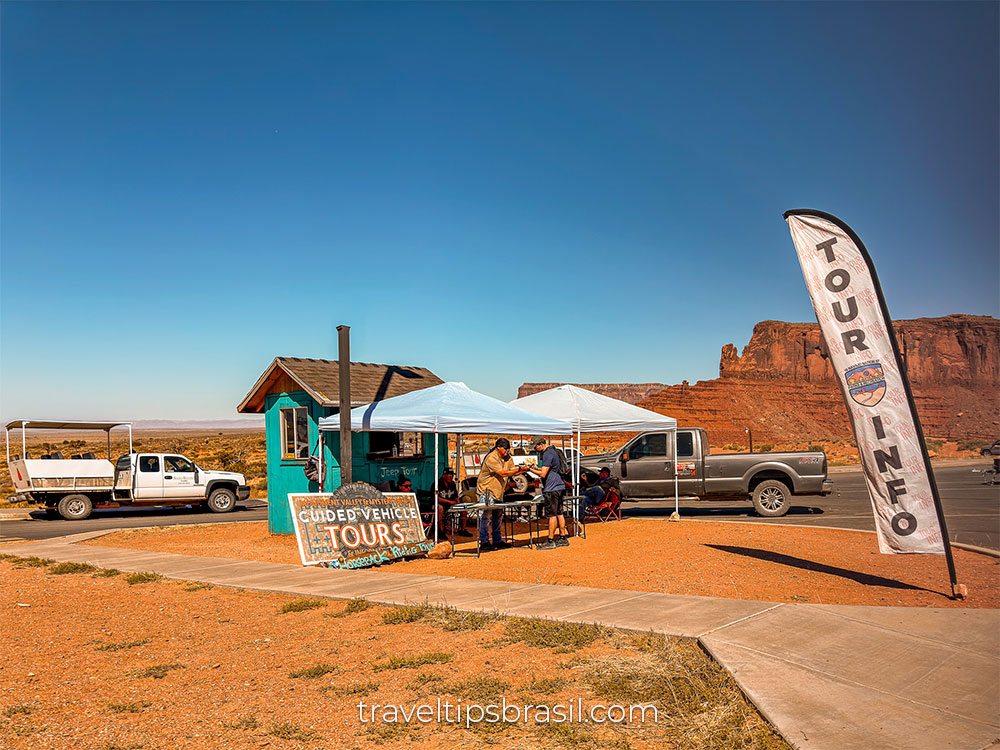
column 255, row 422
column 783, row 387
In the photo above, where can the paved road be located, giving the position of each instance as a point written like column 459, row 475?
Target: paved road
column 972, row 511
column 40, row 527
column 971, row 508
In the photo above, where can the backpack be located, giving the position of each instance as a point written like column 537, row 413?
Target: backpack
column 563, row 469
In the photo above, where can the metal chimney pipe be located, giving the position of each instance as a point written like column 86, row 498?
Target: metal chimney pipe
column 344, row 362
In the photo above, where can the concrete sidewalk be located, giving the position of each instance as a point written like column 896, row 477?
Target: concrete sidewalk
column 826, row 676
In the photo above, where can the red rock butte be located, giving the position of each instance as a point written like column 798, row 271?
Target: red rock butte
column 783, row 387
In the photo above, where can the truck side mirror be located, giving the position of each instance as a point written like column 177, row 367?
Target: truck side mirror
column 623, row 459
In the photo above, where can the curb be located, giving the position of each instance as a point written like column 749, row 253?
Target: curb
column 16, row 514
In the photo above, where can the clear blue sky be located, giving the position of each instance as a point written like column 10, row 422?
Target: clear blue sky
column 499, row 192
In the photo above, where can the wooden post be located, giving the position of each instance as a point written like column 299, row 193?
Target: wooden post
column 344, row 362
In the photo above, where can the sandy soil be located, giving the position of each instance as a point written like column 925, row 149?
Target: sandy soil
column 75, row 648
column 737, row 561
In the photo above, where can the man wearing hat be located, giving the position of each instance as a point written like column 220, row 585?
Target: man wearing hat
column 553, row 489
column 498, row 467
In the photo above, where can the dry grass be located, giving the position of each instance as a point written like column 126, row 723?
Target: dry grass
column 315, row 671
column 17, row 710
column 121, row 645
column 413, row 661
column 29, row 562
column 291, row 731
column 446, row 618
column 552, row 634
column 72, row 568
column 134, row 579
column 352, row 607
column 301, row 605
column 359, row 689
column 246, row 723
column 221, row 659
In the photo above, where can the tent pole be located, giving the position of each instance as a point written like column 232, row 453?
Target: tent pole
column 677, row 499
column 322, row 464
column 436, row 441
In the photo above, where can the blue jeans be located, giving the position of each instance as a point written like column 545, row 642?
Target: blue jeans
column 489, row 525
column 594, row 495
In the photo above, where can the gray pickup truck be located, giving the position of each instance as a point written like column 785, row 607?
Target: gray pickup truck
column 645, row 466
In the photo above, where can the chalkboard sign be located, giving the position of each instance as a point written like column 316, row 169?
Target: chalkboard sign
column 357, row 526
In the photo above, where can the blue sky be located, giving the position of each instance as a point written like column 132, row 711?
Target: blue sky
column 499, row 192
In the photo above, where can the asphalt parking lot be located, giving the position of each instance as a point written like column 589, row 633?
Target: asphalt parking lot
column 971, row 508
column 972, row 511
column 39, row 527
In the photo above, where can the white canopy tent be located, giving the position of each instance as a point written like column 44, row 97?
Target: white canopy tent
column 592, row 412
column 447, row 408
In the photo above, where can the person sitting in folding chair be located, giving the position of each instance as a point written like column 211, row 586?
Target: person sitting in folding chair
column 596, row 492
column 607, row 493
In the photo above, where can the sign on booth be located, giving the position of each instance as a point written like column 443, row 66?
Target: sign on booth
column 357, row 526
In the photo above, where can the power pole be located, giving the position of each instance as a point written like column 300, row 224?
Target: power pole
column 344, row 362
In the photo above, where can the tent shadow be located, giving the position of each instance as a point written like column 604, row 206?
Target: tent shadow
column 797, row 562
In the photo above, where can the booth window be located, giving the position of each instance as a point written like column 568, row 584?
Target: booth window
column 685, row 444
column 649, row 446
column 395, row 444
column 294, row 433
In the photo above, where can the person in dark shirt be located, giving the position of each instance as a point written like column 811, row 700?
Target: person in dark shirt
column 447, row 497
column 553, row 489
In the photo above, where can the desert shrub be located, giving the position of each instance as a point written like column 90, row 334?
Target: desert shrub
column 301, row 605
column 134, row 579
column 550, row 633
column 410, row 662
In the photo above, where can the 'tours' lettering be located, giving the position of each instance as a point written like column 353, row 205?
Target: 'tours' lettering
column 837, row 281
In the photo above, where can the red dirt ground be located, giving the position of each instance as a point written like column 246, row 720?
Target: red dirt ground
column 732, row 560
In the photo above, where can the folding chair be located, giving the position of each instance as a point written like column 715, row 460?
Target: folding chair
column 610, row 509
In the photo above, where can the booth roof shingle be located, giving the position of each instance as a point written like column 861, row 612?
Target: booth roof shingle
column 320, row 378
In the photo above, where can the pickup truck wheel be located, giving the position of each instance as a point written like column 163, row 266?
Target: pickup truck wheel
column 519, row 484
column 75, row 507
column 221, row 501
column 771, row 498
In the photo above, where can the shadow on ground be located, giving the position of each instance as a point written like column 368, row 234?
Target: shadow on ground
column 798, row 562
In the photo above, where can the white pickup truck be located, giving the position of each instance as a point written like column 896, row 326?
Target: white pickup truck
column 73, row 487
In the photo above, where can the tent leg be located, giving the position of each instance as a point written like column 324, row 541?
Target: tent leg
column 322, row 463
column 436, row 441
column 677, row 495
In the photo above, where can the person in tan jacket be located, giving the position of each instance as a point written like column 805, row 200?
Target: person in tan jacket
column 498, row 467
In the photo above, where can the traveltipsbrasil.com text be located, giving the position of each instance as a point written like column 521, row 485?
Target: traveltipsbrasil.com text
column 444, row 711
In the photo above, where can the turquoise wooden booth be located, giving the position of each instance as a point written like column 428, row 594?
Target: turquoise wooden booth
column 295, row 393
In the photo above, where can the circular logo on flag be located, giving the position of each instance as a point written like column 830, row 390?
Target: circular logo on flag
column 866, row 383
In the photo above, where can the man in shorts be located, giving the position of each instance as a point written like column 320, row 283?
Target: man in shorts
column 553, row 489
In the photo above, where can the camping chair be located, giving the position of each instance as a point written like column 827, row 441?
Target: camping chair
column 610, row 509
